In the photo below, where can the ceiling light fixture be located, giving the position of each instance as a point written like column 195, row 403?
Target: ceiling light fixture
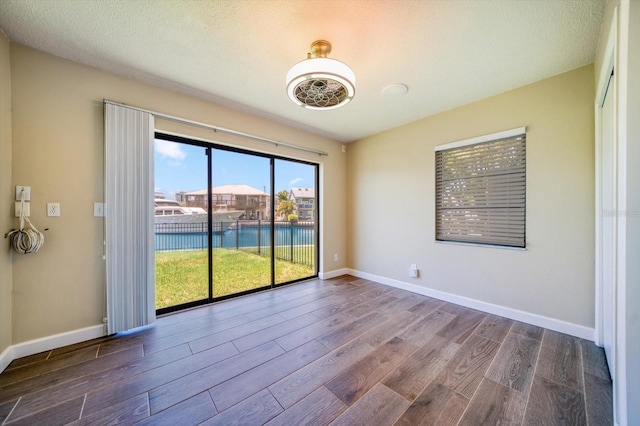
column 319, row 82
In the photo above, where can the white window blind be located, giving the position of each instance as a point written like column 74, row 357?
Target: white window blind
column 481, row 190
column 129, row 233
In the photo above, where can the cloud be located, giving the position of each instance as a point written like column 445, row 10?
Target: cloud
column 294, row 181
column 170, row 149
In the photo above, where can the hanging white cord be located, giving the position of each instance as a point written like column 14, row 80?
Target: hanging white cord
column 25, row 240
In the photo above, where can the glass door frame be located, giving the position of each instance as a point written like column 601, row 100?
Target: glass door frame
column 209, row 147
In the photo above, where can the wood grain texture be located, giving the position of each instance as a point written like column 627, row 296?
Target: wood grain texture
column 108, row 381
column 60, row 414
column 599, row 400
column 427, row 327
column 468, row 366
column 300, row 343
column 297, row 385
column 318, row 408
column 331, row 300
column 129, row 411
column 414, row 374
column 28, row 360
column 494, row 404
column 426, row 306
column 554, row 404
column 351, row 302
column 172, row 392
column 130, row 386
column 527, row 330
column 351, row 330
column 404, row 303
column 6, row 408
column 63, row 361
column 225, row 336
column 56, row 377
column 246, row 384
column 460, row 328
column 560, row 360
column 377, row 304
column 310, row 332
column 379, row 334
column 494, row 327
column 515, row 362
column 451, row 308
column 355, row 381
column 192, row 411
column 379, row 406
column 594, row 360
column 436, row 405
column 255, row 410
column 257, row 338
column 199, row 329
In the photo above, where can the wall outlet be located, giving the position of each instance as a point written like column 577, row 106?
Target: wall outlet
column 27, row 193
column 335, row 257
column 413, row 271
column 98, row 209
column 53, row 209
column 27, row 210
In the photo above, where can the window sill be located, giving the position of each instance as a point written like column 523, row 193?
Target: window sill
column 457, row 243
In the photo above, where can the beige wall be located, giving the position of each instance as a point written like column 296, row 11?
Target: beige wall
column 6, row 204
column 58, row 151
column 391, row 202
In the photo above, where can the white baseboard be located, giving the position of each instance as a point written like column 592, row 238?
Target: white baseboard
column 6, row 357
column 503, row 311
column 49, row 342
column 333, row 274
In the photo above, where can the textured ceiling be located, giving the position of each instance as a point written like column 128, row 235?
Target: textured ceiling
column 449, row 53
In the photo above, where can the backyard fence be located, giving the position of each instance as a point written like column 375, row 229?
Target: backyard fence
column 294, row 242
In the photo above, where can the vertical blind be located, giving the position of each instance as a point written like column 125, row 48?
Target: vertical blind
column 129, row 235
column 481, row 192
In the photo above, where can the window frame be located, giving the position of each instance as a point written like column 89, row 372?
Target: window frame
column 481, row 240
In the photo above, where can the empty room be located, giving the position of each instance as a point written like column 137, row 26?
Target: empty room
column 315, row 212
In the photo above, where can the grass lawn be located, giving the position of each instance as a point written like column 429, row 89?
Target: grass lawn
column 181, row 276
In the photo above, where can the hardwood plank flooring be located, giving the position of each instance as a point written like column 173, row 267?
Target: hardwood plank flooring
column 514, row 364
column 494, row 404
column 344, row 351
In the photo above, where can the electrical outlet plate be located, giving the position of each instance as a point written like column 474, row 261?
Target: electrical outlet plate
column 27, row 193
column 98, row 209
column 53, row 209
column 27, row 210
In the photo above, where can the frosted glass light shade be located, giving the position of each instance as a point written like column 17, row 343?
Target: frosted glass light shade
column 321, row 83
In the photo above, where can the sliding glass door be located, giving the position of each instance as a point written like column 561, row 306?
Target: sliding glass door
column 229, row 222
column 241, row 208
column 295, row 220
column 181, row 224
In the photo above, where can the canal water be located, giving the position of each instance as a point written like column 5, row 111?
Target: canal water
column 172, row 238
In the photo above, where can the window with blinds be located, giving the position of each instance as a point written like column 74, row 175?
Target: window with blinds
column 481, row 190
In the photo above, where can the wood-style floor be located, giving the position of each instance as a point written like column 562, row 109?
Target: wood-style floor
column 345, row 351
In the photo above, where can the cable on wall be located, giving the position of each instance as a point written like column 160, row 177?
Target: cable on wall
column 23, row 240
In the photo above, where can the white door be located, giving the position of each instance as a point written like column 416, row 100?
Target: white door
column 609, row 219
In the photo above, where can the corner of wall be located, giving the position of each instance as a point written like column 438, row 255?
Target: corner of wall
column 6, row 265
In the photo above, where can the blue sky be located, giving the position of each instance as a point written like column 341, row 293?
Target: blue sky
column 182, row 167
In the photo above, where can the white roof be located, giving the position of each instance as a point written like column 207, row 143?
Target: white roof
column 229, row 189
column 303, row 192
